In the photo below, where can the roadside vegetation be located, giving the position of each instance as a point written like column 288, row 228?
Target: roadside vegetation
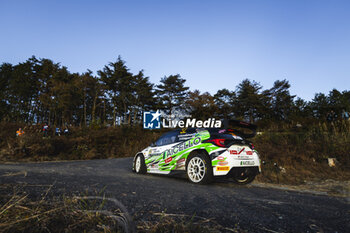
column 20, row 212
column 301, row 154
column 291, row 156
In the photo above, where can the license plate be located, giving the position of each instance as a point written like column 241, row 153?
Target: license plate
column 247, row 163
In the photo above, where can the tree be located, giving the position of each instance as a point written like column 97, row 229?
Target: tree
column 301, row 110
column 118, row 82
column 200, row 106
column 320, row 106
column 249, row 101
column 338, row 101
column 225, row 101
column 171, row 92
column 45, row 70
column 91, row 93
column 281, row 101
column 22, row 90
column 143, row 95
column 6, row 70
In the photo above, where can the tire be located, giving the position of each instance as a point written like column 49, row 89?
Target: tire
column 244, row 176
column 199, row 169
column 140, row 165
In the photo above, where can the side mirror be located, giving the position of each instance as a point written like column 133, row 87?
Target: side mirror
column 152, row 144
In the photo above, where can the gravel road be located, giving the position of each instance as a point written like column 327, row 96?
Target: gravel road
column 253, row 207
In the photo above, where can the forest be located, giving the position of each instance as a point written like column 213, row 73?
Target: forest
column 39, row 91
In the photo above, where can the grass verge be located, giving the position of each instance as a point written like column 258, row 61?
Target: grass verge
column 20, row 212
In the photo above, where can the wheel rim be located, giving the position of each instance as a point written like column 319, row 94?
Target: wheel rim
column 196, row 169
column 243, row 177
column 138, row 164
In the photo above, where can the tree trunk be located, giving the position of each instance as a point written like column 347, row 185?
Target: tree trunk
column 135, row 114
column 93, row 111
column 114, row 114
column 84, row 106
column 104, row 111
column 125, row 113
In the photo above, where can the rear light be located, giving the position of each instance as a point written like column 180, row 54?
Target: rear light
column 217, row 142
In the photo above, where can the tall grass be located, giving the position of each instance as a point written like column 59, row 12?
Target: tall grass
column 303, row 153
column 20, row 213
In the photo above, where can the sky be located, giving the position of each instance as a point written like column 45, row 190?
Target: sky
column 212, row 44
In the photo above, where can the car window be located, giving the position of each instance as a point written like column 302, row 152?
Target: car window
column 168, row 138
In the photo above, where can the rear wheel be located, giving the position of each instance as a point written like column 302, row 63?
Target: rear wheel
column 140, row 165
column 199, row 169
column 244, row 176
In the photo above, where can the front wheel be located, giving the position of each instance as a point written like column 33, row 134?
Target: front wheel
column 199, row 170
column 244, row 176
column 140, row 165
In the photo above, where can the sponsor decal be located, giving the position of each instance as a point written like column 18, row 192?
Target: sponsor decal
column 183, row 131
column 247, row 163
column 222, row 163
column 154, row 154
column 168, row 160
column 184, row 137
column 221, row 158
column 181, row 146
column 226, row 168
column 154, row 165
column 240, row 151
column 181, row 161
column 236, row 152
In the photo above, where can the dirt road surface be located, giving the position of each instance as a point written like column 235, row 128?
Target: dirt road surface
column 254, row 208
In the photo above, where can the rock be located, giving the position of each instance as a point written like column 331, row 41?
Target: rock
column 332, row 162
column 282, row 169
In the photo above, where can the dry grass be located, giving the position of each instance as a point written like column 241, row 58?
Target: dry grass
column 175, row 223
column 296, row 157
column 21, row 213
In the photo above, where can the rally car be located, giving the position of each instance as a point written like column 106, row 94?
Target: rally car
column 203, row 153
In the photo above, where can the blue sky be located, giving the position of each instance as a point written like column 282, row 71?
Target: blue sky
column 212, row 44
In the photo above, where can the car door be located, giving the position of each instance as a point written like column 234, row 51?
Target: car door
column 164, row 143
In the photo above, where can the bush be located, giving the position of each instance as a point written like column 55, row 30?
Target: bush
column 82, row 143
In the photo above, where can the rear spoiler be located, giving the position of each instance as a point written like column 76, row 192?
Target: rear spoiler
column 231, row 125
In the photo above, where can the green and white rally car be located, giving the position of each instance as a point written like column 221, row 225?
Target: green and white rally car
column 203, row 153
